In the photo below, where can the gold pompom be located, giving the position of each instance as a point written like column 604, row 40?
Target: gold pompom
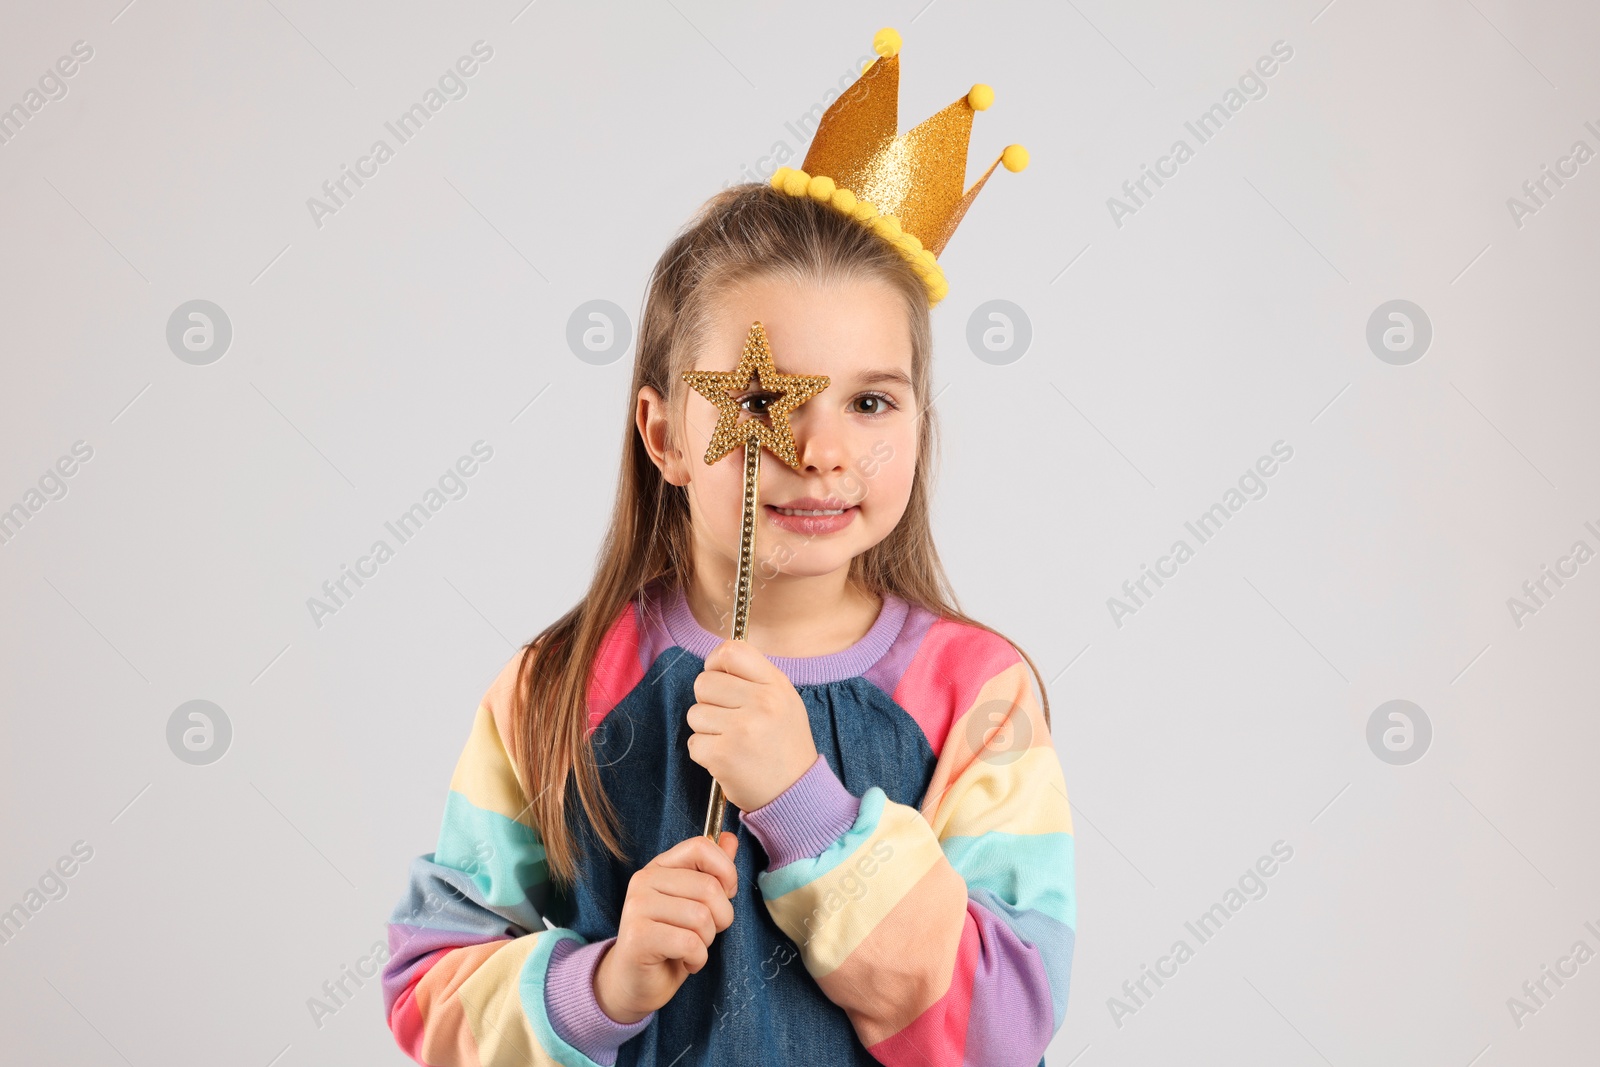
column 1014, row 158
column 825, row 190
column 886, row 42
column 980, row 98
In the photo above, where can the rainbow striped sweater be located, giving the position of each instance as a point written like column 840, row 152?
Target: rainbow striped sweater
column 908, row 900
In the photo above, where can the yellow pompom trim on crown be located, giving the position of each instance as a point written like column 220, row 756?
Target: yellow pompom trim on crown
column 793, row 182
column 824, row 190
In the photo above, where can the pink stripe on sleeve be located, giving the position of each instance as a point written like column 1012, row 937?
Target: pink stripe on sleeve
column 938, row 1036
column 944, row 677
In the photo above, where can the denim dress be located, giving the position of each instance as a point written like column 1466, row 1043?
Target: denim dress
column 753, row 1002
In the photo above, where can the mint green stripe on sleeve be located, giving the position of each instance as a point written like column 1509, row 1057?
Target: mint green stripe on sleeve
column 530, row 987
column 1033, row 871
column 500, row 855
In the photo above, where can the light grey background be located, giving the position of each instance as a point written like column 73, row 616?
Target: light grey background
column 1167, row 354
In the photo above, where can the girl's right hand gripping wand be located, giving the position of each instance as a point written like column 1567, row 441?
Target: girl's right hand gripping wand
column 770, row 427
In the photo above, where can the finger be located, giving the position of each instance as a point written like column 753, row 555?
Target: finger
column 700, row 853
column 696, row 886
column 680, row 944
column 707, row 719
column 705, row 750
column 741, row 659
column 665, row 942
column 728, row 841
column 721, row 689
column 683, row 912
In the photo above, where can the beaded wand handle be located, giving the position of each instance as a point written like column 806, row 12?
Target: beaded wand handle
column 741, row 598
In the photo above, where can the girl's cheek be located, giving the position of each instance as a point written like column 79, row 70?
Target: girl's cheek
column 723, row 488
column 886, row 458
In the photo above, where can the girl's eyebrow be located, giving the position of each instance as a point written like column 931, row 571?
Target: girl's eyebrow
column 892, row 377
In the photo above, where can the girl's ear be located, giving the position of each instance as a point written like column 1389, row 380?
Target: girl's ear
column 656, row 432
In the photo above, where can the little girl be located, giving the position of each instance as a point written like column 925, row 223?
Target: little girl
column 899, row 886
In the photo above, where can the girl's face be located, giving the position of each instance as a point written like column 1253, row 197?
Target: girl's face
column 856, row 440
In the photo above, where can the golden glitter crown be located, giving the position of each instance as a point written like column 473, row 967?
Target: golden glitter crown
column 906, row 187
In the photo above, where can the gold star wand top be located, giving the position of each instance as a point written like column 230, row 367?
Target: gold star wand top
column 769, row 427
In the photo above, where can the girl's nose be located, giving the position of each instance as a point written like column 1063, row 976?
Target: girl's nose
column 819, row 444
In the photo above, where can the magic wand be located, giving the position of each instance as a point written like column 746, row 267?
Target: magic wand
column 769, row 427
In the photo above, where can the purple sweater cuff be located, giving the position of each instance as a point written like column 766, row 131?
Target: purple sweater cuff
column 575, row 1015
column 803, row 820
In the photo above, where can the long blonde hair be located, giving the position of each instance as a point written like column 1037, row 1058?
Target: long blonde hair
column 745, row 231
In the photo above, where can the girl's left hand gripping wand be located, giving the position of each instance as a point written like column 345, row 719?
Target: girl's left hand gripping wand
column 769, row 427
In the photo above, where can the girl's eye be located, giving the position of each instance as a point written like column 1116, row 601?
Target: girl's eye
column 760, row 403
column 757, row 403
column 874, row 404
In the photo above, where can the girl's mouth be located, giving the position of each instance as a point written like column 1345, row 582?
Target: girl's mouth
column 812, row 521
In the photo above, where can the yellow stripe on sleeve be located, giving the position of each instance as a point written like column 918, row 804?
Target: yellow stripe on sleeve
column 484, row 774
column 830, row 916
